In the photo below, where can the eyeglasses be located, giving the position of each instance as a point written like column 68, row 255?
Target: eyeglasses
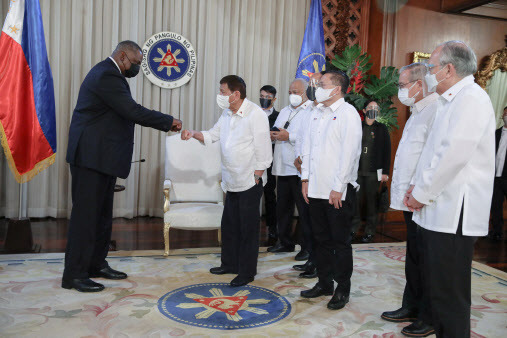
column 402, row 85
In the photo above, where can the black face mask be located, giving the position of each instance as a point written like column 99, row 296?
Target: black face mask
column 310, row 93
column 372, row 114
column 265, row 102
column 133, row 70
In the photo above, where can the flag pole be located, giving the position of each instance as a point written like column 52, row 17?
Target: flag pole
column 19, row 237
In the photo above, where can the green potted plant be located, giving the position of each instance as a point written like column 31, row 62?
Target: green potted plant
column 363, row 86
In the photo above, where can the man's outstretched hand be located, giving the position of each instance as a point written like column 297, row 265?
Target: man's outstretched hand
column 176, row 125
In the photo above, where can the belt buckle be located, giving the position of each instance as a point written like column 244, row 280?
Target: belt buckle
column 365, row 149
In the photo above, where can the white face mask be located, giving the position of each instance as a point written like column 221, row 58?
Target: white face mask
column 322, row 94
column 223, row 101
column 432, row 82
column 404, row 98
column 295, row 100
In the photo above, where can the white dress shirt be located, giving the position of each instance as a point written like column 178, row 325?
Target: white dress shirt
column 333, row 146
column 283, row 157
column 269, row 111
column 303, row 131
column 115, row 64
column 245, row 145
column 457, row 165
column 500, row 154
column 411, row 145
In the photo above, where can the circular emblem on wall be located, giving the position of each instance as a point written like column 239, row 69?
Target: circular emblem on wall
column 169, row 60
column 222, row 307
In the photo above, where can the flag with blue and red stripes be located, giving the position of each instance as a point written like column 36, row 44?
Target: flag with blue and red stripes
column 27, row 100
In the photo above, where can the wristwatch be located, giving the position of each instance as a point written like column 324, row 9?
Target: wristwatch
column 257, row 177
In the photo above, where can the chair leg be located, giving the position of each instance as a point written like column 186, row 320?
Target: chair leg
column 220, row 237
column 166, row 238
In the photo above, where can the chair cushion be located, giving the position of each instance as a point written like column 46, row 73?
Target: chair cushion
column 194, row 170
column 194, row 216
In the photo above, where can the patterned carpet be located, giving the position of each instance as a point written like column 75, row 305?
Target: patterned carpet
column 176, row 296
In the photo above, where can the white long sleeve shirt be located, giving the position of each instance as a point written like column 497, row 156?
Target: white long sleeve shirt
column 457, row 165
column 283, row 157
column 500, row 154
column 411, row 145
column 245, row 145
column 303, row 131
column 333, row 148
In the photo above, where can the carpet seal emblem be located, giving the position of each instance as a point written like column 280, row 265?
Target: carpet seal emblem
column 222, row 307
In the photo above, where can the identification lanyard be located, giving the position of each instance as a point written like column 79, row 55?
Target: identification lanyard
column 286, row 125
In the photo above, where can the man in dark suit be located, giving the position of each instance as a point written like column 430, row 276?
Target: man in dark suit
column 100, row 149
column 374, row 166
column 500, row 185
column 267, row 102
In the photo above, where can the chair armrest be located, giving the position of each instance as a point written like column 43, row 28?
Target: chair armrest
column 167, row 202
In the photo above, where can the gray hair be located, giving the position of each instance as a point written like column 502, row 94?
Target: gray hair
column 416, row 70
column 303, row 82
column 123, row 46
column 461, row 56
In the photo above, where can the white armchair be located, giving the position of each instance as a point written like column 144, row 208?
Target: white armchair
column 192, row 186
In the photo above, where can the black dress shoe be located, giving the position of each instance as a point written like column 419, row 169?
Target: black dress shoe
column 309, row 274
column 317, row 291
column 240, row 281
column 302, row 255
column 400, row 315
column 367, row 238
column 418, row 329
column 280, row 248
column 301, row 267
column 219, row 270
column 82, row 285
column 108, row 273
column 338, row 301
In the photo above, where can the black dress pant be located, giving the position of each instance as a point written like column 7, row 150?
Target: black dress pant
column 333, row 249
column 369, row 186
column 90, row 222
column 270, row 201
column 447, row 267
column 240, row 231
column 289, row 194
column 413, row 296
column 499, row 194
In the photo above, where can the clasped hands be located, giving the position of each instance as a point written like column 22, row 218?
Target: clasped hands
column 410, row 202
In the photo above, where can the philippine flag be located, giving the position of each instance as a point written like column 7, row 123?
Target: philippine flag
column 27, row 100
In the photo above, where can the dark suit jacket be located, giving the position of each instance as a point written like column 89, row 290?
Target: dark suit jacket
column 101, row 134
column 272, row 117
column 381, row 149
column 498, row 135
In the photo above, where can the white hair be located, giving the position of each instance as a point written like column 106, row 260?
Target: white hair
column 460, row 55
column 416, row 70
column 303, row 82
